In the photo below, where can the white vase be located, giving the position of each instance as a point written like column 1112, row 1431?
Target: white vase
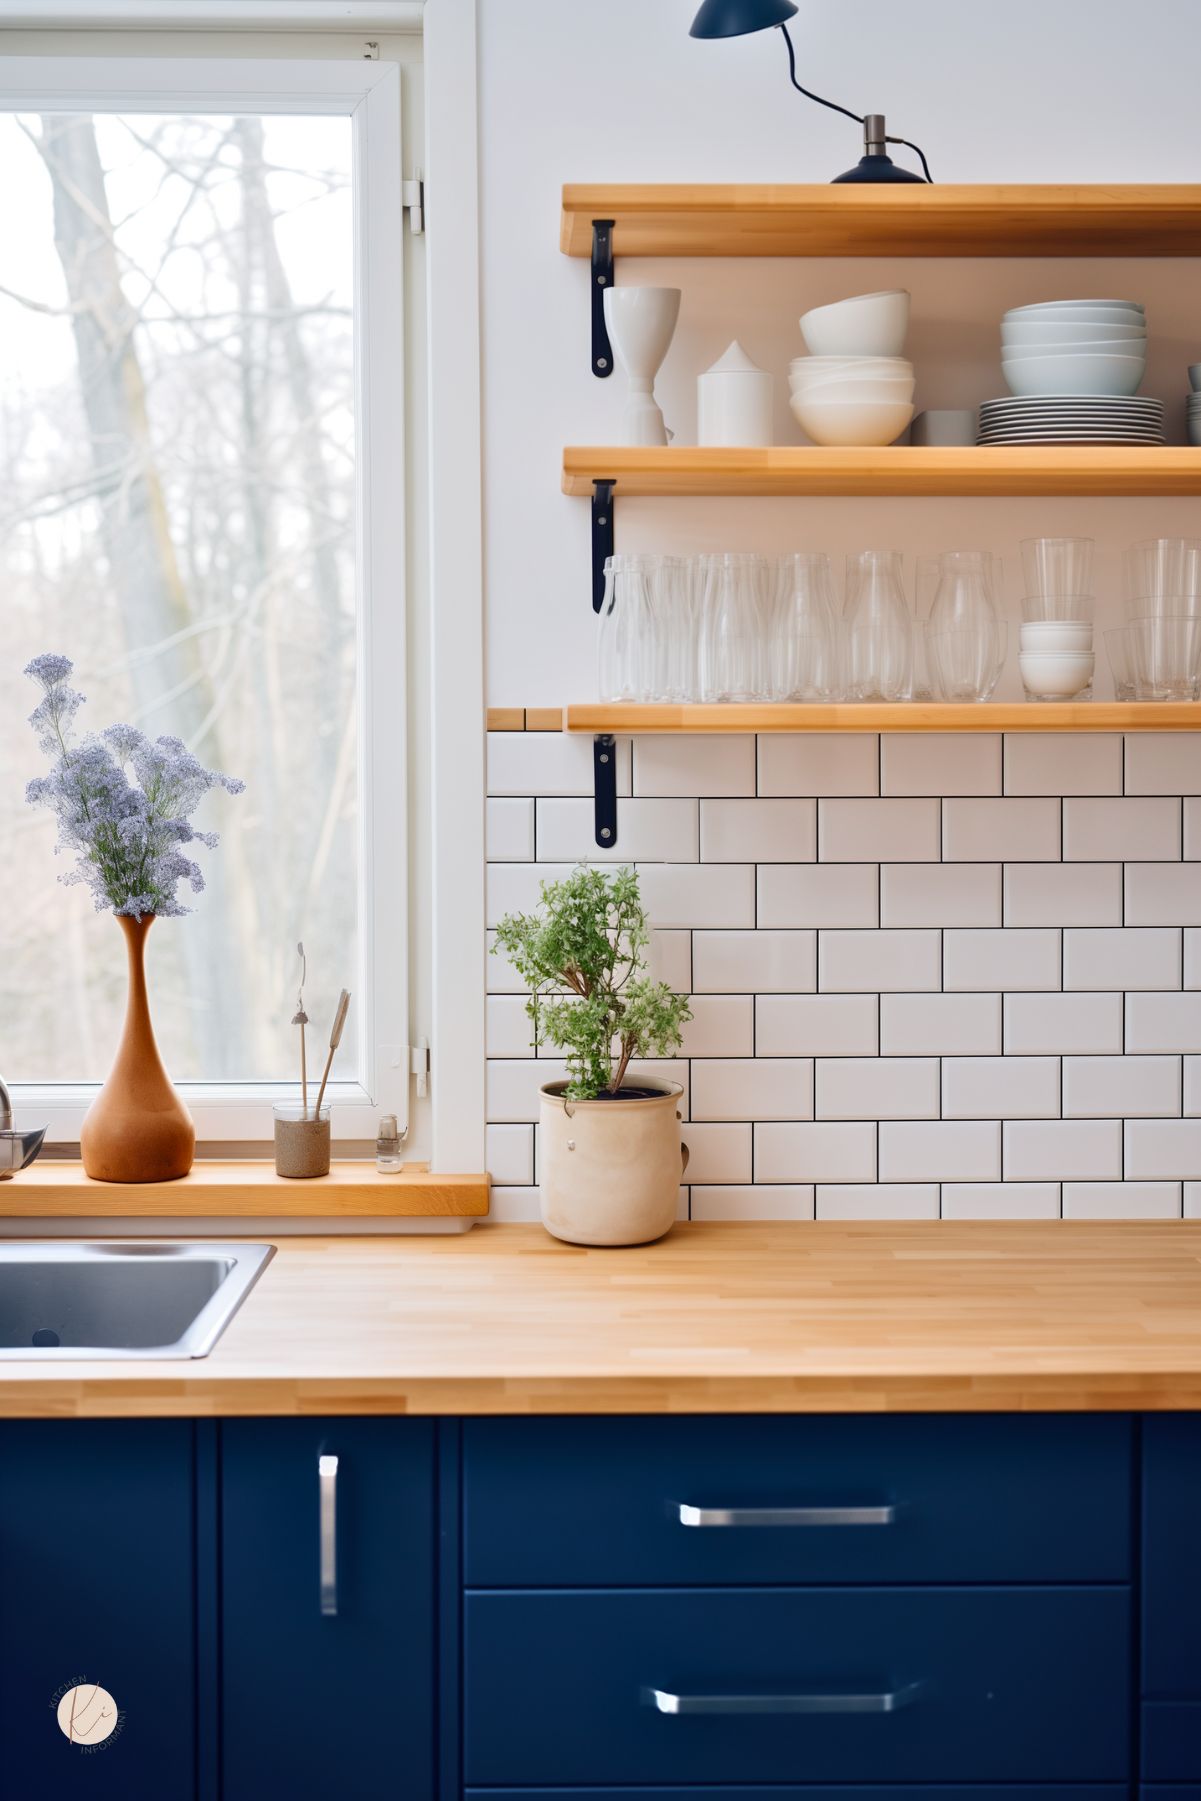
column 734, row 401
column 640, row 323
column 610, row 1170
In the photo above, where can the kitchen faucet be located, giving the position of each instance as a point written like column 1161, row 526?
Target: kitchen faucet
column 17, row 1149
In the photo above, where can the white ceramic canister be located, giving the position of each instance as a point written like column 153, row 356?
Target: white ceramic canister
column 734, row 401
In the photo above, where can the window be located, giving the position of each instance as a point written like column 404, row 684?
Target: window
column 200, row 293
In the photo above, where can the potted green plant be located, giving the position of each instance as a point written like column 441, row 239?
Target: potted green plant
column 610, row 1157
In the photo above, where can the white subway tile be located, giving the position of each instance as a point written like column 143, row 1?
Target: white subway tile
column 819, row 894
column 693, row 766
column 1062, row 1150
column 758, row 831
column 1000, row 831
column 1114, row 831
column 514, row 1206
column 1192, row 958
column 509, row 831
column 547, row 763
column 1167, row 1149
column 510, row 1153
column 808, row 1025
column 508, row 1028
column 815, row 1153
column 1017, row 959
column 1063, row 894
column 670, row 960
column 1113, row 1087
column 750, row 962
column 761, row 1201
column 876, row 1088
column 940, row 894
column 1192, row 1200
column 877, row 1200
column 819, row 763
column 1163, row 1022
column 754, row 1088
column 1192, row 1085
column 1192, row 827
column 722, row 1025
column 1063, row 763
column 940, row 1151
column 1121, row 1200
column 1162, row 894
column 517, row 887
column 940, row 1025
column 512, row 1086
column 699, row 894
column 858, row 962
column 1000, row 1200
column 877, row 831
column 940, row 763
column 1059, row 1023
column 500, row 976
column 1138, row 957
column 718, row 1153
column 1163, row 763
column 661, row 831
column 1000, row 1088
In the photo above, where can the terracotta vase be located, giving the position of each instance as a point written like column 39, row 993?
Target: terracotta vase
column 137, row 1129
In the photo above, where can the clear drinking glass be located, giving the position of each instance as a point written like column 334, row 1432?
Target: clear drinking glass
column 965, row 585
column 1165, row 658
column 625, row 630
column 736, row 612
column 1117, row 649
column 966, row 661
column 879, row 628
column 806, row 661
column 1057, row 606
column 1160, row 606
column 1057, row 565
column 1163, row 566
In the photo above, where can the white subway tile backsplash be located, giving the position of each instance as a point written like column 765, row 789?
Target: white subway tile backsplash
column 509, row 830
column 940, row 894
column 1163, row 1149
column 1191, row 847
column 816, row 1025
column 513, row 1206
column 510, row 1153
column 940, row 1025
column 671, row 960
column 1063, row 894
column 661, row 831
column 1004, row 959
column 876, row 1088
column 940, row 763
column 547, row 763
column 1121, row 1200
column 819, row 894
column 1192, row 1085
column 516, row 887
column 878, row 831
column 718, row 1153
column 722, row 1025
column 758, row 831
column 1159, row 894
column 878, row 1200
column 1137, row 957
column 1192, row 1200
column 1163, row 763
column 508, row 1029
column 1056, row 1024
column 1000, row 1200
column 1000, row 831
column 822, row 1152
column 1192, row 957
column 827, row 763
column 750, row 962
column 1044, row 1150
column 1113, row 1087
column 1000, row 1088
column 1163, row 1022
column 512, row 1088
column 940, row 1151
column 898, row 962
column 768, row 1200
column 1063, row 763
column 698, row 894
column 500, row 977
column 692, row 767
column 753, row 1088
column 1112, row 831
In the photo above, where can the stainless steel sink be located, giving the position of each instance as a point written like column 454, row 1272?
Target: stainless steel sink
column 126, row 1298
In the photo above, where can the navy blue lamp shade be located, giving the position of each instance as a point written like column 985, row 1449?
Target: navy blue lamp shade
column 734, row 18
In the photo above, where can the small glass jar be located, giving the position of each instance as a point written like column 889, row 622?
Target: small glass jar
column 389, row 1147
column 302, row 1140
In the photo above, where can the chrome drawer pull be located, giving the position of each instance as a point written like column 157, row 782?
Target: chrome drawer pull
column 327, row 1493
column 786, row 1516
column 887, row 1702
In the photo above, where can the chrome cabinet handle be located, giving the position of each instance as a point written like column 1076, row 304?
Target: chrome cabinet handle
column 327, row 1496
column 786, row 1516
column 888, row 1701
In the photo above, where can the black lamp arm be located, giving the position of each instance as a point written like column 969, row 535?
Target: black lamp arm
column 844, row 110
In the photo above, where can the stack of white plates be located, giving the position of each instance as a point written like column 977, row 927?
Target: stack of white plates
column 1071, row 419
column 1075, row 347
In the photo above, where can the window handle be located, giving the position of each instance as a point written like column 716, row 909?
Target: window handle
column 884, row 1515
column 327, row 1530
column 882, row 1701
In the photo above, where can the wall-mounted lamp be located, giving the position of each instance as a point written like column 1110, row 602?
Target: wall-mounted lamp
column 735, row 18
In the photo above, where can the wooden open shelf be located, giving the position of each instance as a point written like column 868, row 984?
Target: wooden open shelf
column 896, row 469
column 691, row 219
column 901, row 716
column 215, row 1190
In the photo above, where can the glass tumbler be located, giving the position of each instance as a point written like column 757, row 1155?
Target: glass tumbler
column 736, row 609
column 806, row 661
column 1117, row 649
column 879, row 628
column 1163, row 566
column 966, row 662
column 625, row 630
column 1165, row 658
column 1058, row 565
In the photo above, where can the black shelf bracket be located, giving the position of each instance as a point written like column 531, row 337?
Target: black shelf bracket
column 602, row 278
column 602, row 538
column 604, row 788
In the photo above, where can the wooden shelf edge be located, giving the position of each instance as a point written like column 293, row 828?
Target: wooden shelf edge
column 214, row 1190
column 901, row 716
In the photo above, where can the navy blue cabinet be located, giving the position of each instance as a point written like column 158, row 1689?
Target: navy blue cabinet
column 1171, row 1601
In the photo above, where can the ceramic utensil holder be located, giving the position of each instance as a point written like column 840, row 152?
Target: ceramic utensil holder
column 302, row 1140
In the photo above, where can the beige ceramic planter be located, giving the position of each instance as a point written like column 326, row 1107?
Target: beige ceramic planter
column 610, row 1170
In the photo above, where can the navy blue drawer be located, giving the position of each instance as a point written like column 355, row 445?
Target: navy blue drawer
column 1171, row 1741
column 931, row 1498
column 1171, row 1521
column 1026, row 1791
column 954, row 1685
column 1169, row 1791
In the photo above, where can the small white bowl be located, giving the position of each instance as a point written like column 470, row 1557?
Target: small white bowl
column 865, row 325
column 851, row 421
column 819, row 368
column 901, row 391
column 1055, row 676
column 1107, row 375
column 1088, row 331
column 1057, row 637
column 1085, row 347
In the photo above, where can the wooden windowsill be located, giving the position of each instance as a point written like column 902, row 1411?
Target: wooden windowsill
column 221, row 1189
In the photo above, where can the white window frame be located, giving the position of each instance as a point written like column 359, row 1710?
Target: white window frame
column 368, row 93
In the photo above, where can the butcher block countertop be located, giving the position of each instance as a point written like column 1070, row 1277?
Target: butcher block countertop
column 804, row 1318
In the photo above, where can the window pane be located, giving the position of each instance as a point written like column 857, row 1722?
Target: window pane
column 177, row 458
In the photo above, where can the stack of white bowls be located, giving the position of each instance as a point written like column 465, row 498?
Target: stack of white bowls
column 1075, row 347
column 855, row 387
column 1056, row 656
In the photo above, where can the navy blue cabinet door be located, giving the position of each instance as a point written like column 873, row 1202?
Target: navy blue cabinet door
column 1171, row 1598
column 96, row 1610
column 327, row 1609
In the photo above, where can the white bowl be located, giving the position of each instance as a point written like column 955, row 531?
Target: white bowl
column 1085, row 347
column 1064, row 637
column 1045, row 331
column 808, row 384
column 1050, row 307
column 1056, row 676
column 851, row 421
column 812, row 368
column 1099, row 375
column 857, row 392
column 865, row 325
